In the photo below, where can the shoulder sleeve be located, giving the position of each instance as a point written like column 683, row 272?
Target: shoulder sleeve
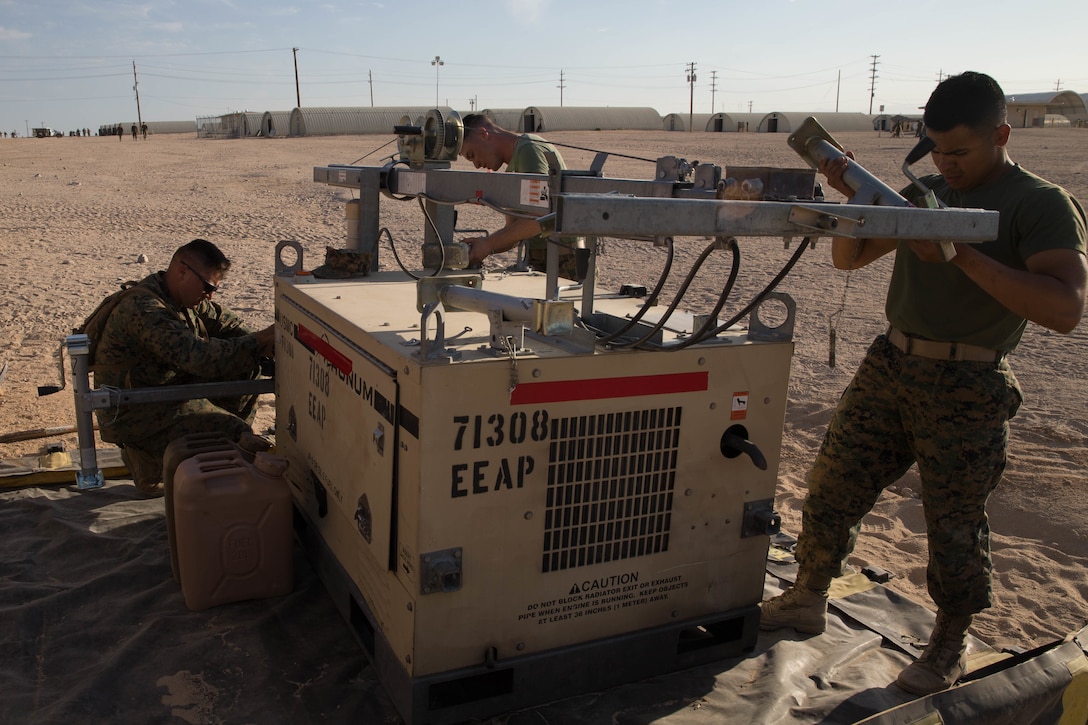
column 1049, row 218
column 220, row 321
column 529, row 159
column 152, row 330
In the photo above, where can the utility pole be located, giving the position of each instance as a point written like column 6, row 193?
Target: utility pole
column 298, row 96
column 691, row 94
column 561, row 86
column 437, row 62
column 370, row 79
column 713, row 90
column 136, row 88
column 838, row 86
column 872, row 82
column 749, row 106
column 1058, row 85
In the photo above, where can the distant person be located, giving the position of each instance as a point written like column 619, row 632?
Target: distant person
column 134, row 132
column 936, row 389
column 490, row 146
column 168, row 331
column 143, row 130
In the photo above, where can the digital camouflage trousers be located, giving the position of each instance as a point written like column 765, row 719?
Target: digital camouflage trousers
column 951, row 418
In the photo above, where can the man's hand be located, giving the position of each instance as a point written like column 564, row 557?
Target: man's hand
column 834, row 169
column 928, row 251
column 266, row 341
column 479, row 248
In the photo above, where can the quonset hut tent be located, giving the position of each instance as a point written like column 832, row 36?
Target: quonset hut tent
column 738, row 121
column 331, row 121
column 241, row 124
column 537, row 119
column 713, row 122
column 1027, row 110
column 779, row 122
column 508, row 118
column 275, row 123
column 679, row 121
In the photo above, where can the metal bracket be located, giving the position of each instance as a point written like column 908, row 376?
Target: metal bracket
column 434, row 349
column 783, row 332
column 824, row 222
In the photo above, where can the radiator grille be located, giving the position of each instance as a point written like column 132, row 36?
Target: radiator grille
column 610, row 487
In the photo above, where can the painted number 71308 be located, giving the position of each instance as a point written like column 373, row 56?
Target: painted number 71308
column 478, row 431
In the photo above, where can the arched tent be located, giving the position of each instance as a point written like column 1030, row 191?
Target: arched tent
column 508, row 118
column 240, row 124
column 1031, row 109
column 537, row 119
column 328, row 121
column 787, row 122
column 679, row 121
column 738, row 121
column 275, row 123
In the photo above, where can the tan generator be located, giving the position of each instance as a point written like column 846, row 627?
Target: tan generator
column 515, row 526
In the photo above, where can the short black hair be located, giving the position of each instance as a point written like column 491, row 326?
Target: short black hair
column 969, row 99
column 204, row 254
column 477, row 121
column 474, row 120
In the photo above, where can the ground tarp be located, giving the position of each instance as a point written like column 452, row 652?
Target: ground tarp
column 93, row 628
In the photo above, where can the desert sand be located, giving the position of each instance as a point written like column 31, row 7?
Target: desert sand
column 79, row 212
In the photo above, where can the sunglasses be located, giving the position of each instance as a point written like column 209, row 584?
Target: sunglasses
column 209, row 288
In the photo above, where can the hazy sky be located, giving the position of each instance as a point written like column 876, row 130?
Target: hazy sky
column 69, row 63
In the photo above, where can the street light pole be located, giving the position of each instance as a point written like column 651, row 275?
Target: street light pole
column 436, row 63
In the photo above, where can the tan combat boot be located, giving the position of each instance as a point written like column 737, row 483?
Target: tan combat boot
column 145, row 469
column 944, row 659
column 803, row 606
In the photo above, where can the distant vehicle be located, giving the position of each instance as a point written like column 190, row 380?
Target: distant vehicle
column 45, row 132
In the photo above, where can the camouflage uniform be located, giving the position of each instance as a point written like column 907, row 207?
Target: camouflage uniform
column 949, row 417
column 150, row 341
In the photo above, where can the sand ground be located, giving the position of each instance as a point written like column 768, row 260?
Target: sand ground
column 78, row 212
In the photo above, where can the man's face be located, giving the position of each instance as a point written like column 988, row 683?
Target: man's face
column 478, row 148
column 197, row 284
column 968, row 157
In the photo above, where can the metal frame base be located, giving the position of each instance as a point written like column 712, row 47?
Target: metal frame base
column 503, row 686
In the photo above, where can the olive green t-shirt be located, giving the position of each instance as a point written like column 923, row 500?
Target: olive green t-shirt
column 937, row 301
column 529, row 158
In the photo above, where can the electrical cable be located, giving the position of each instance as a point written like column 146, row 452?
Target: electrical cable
column 596, row 151
column 397, row 256
column 655, row 295
column 806, row 243
column 373, row 152
column 438, row 236
column 675, row 301
column 701, row 334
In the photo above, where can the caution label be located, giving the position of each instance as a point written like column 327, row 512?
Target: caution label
column 588, row 601
column 535, row 192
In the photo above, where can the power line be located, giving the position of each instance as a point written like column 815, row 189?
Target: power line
column 691, row 93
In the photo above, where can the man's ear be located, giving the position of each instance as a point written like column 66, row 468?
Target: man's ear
column 1001, row 134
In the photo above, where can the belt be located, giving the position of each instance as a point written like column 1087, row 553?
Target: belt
column 942, row 350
